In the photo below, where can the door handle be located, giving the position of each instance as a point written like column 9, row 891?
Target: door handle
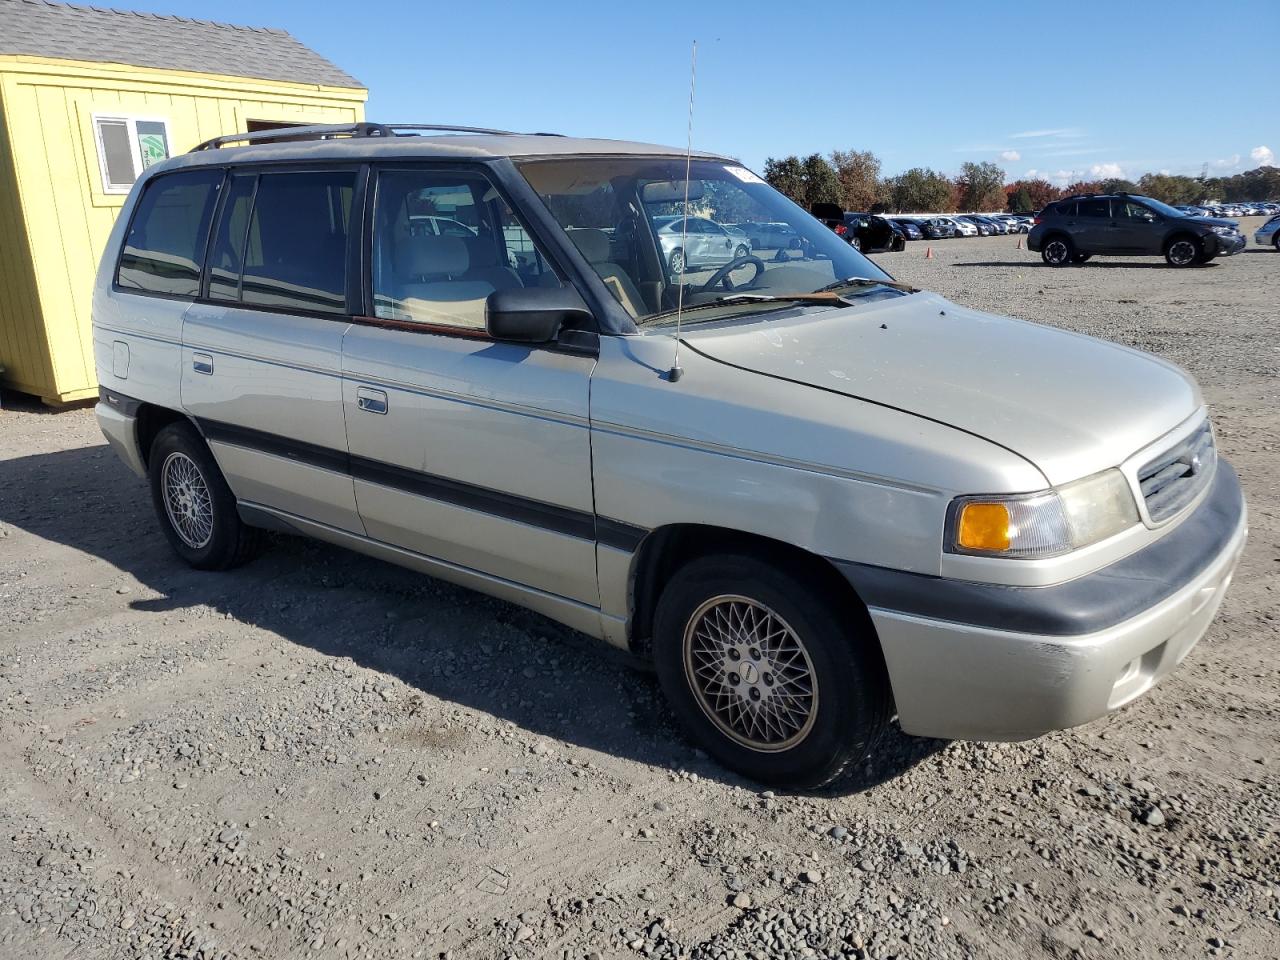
column 202, row 363
column 370, row 400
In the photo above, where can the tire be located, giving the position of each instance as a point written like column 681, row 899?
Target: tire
column 855, row 243
column 1079, row 258
column 1275, row 241
column 677, row 263
column 1182, row 251
column 196, row 508
column 742, row 251
column 1057, row 251
column 849, row 703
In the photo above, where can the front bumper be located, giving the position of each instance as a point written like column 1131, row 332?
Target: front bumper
column 1028, row 660
column 1230, row 245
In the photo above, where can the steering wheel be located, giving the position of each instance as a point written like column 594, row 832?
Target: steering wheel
column 722, row 275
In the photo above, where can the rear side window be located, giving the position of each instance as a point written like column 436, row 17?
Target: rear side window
column 1098, row 207
column 1066, row 208
column 164, row 248
column 282, row 241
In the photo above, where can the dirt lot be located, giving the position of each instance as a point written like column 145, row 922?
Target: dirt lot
column 322, row 755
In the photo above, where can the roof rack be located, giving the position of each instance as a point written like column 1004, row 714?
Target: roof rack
column 329, row 131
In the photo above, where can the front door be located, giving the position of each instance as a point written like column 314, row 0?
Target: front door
column 464, row 449
column 1134, row 228
column 262, row 351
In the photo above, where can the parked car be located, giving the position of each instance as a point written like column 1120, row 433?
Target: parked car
column 983, row 228
column 961, row 227
column 872, row 234
column 835, row 507
column 937, row 228
column 697, row 243
column 1075, row 229
column 1269, row 233
column 771, row 236
column 910, row 228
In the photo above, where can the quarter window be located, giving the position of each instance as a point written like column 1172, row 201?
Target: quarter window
column 164, row 248
column 282, row 242
column 442, row 242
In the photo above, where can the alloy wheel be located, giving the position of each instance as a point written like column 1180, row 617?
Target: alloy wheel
column 1182, row 252
column 750, row 673
column 1056, row 251
column 187, row 501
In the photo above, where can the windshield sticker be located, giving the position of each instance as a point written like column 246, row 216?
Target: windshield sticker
column 743, row 174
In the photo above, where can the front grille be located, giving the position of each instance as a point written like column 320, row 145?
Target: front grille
column 1173, row 479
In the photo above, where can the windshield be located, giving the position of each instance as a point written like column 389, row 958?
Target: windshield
column 1161, row 208
column 737, row 235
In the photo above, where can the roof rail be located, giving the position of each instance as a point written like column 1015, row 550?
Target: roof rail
column 327, row 131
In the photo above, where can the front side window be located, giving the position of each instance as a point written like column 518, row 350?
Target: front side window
column 624, row 214
column 164, row 248
column 282, row 241
column 444, row 241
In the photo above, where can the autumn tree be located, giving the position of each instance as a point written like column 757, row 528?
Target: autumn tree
column 859, row 174
column 921, row 190
column 981, row 186
column 1170, row 188
column 787, row 177
column 1039, row 193
column 1117, row 185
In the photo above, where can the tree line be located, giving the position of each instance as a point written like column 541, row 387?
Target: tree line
column 851, row 178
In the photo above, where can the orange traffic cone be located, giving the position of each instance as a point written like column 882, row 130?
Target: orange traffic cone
column 928, row 253
column 1019, row 243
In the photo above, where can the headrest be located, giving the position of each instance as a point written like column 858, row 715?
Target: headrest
column 431, row 256
column 591, row 243
column 482, row 251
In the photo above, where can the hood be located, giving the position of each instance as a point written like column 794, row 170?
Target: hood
column 1215, row 222
column 1069, row 404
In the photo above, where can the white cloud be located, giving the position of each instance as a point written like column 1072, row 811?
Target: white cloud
column 1059, row 132
column 1106, row 171
column 1263, row 156
column 1228, row 163
column 1010, row 156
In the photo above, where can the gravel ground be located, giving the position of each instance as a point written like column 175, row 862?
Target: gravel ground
column 321, row 755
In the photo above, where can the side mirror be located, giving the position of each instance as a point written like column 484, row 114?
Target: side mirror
column 532, row 314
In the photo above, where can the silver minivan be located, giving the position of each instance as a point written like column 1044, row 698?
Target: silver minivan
column 813, row 497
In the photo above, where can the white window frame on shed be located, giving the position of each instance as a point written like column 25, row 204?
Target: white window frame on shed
column 130, row 123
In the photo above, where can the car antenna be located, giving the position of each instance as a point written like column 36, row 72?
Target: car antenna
column 676, row 371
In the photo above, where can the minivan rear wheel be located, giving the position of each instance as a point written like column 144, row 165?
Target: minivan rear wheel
column 1181, row 252
column 1057, row 252
column 765, row 672
column 197, row 509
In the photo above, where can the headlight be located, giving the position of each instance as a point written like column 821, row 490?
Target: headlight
column 1031, row 526
column 1223, row 231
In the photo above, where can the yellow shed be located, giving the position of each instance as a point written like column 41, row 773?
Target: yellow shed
column 89, row 98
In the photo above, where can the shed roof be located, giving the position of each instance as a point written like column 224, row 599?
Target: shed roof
column 42, row 28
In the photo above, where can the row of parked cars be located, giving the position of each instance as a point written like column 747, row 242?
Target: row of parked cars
column 1266, row 209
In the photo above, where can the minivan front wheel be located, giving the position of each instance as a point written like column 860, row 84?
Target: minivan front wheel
column 766, row 674
column 1182, row 252
column 197, row 509
column 1057, row 252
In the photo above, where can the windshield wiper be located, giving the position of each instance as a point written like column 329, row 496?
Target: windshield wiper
column 865, row 282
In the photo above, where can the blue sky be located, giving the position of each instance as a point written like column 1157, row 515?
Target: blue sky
column 1077, row 91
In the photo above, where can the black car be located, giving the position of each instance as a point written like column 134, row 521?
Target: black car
column 870, row 233
column 1077, row 228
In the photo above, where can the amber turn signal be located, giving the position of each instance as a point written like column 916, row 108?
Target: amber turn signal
column 984, row 526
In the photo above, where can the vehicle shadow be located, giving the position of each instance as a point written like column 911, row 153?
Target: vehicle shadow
column 1157, row 264
column 446, row 641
